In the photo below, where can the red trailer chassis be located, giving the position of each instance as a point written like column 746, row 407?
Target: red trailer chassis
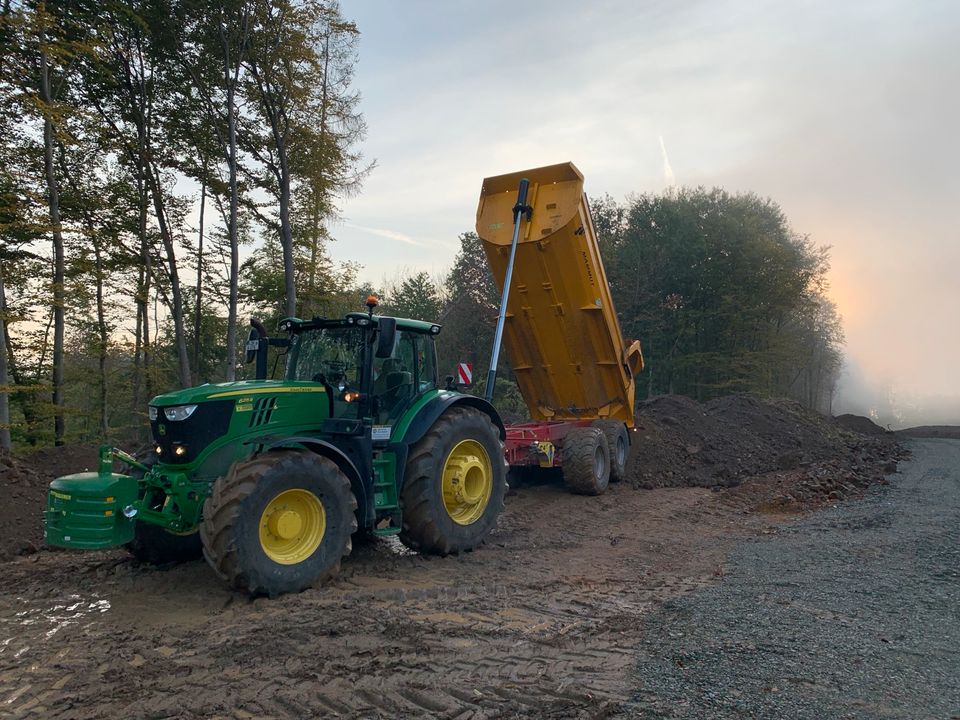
column 539, row 443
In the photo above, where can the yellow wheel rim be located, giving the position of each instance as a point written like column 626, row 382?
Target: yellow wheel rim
column 467, row 482
column 292, row 526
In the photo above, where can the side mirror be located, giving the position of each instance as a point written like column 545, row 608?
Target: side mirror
column 253, row 345
column 387, row 337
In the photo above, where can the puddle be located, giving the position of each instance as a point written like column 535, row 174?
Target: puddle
column 37, row 621
column 396, row 547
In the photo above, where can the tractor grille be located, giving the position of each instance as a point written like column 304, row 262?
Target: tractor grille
column 207, row 423
column 262, row 411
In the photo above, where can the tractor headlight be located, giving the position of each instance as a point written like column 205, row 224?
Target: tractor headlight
column 152, row 412
column 179, row 412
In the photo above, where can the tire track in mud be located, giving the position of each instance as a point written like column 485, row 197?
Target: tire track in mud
column 542, row 622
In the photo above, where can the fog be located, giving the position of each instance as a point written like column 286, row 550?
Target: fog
column 846, row 114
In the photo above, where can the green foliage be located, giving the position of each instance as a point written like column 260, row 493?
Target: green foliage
column 722, row 294
column 135, row 98
column 416, row 297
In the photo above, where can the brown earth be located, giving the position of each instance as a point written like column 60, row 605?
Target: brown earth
column 543, row 621
column 681, row 443
column 23, row 484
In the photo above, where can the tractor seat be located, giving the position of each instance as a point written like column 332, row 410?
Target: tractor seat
column 393, row 386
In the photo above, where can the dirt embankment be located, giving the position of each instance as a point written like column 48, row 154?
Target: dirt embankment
column 23, row 492
column 777, row 454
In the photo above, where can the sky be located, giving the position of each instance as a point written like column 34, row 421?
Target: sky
column 847, row 114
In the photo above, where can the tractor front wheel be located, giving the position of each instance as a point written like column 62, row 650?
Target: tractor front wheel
column 279, row 522
column 586, row 461
column 455, row 485
column 158, row 546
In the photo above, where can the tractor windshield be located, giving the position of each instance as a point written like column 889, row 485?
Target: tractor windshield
column 329, row 355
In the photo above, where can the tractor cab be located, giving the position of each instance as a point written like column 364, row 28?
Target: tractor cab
column 370, row 366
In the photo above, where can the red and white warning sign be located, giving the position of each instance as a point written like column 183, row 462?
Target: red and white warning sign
column 464, row 373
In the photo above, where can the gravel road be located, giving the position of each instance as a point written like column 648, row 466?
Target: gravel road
column 853, row 612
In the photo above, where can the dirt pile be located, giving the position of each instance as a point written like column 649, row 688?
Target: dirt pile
column 860, row 424
column 23, row 492
column 805, row 459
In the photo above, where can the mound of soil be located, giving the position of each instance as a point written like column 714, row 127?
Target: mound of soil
column 23, row 492
column 680, row 442
column 860, row 424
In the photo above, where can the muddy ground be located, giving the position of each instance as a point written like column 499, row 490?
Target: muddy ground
column 543, row 621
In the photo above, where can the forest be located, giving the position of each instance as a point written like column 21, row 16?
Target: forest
column 170, row 168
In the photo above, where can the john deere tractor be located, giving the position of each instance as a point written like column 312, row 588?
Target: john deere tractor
column 269, row 479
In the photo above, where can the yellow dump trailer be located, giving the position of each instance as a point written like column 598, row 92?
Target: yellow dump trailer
column 562, row 335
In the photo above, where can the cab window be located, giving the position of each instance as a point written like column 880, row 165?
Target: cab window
column 394, row 378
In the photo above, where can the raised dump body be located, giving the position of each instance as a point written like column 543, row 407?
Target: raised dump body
column 562, row 335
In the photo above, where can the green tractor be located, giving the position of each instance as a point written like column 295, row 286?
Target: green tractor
column 270, row 479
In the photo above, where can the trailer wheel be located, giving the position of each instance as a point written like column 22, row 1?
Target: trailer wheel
column 279, row 522
column 455, row 484
column 618, row 444
column 156, row 545
column 586, row 461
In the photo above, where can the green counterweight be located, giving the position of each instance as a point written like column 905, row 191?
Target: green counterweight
column 85, row 510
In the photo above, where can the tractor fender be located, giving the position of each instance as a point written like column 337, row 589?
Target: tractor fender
column 441, row 403
column 328, row 450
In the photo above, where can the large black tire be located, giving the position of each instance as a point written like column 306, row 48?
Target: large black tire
column 155, row 545
column 232, row 517
column 586, row 461
column 428, row 526
column 618, row 444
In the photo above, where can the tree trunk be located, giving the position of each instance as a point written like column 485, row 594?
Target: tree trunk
column 5, row 442
column 53, row 202
column 143, row 288
column 175, row 289
column 103, row 337
column 231, row 359
column 231, row 65
column 198, row 311
column 286, row 232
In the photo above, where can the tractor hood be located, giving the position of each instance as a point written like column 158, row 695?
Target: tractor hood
column 188, row 424
column 232, row 391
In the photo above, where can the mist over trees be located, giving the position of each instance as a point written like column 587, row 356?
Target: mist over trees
column 170, row 168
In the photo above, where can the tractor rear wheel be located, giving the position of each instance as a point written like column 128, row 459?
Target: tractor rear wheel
column 279, row 522
column 618, row 444
column 586, row 461
column 456, row 482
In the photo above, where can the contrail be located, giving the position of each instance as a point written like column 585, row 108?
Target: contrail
column 668, row 175
column 390, row 234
